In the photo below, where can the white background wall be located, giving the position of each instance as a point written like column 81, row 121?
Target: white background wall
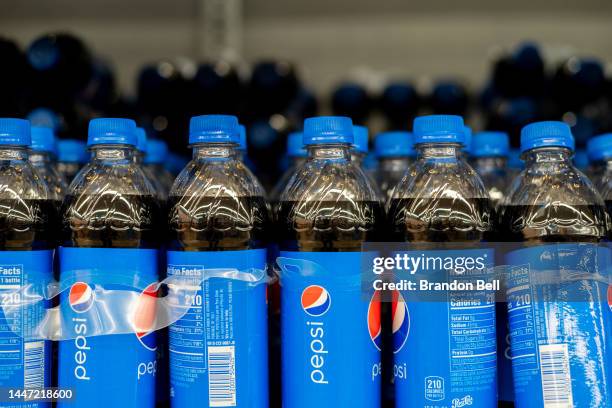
column 327, row 39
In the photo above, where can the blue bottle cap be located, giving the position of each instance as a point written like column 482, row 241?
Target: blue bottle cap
column 43, row 140
column 600, row 147
column 72, row 151
column 295, row 145
column 394, row 144
column 546, row 134
column 242, row 143
column 439, row 129
column 15, row 132
column 360, row 139
column 112, row 131
column 490, row 143
column 467, row 143
column 157, row 151
column 328, row 129
column 141, row 140
column 214, row 129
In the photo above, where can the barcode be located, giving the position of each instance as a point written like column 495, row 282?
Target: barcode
column 34, row 365
column 556, row 378
column 221, row 376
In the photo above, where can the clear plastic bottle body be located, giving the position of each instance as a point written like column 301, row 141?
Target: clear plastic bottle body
column 553, row 201
column 216, row 203
column 495, row 175
column 279, row 187
column 111, row 203
column 68, row 169
column 389, row 172
column 441, row 198
column 329, row 204
column 46, row 168
column 161, row 178
column 28, row 217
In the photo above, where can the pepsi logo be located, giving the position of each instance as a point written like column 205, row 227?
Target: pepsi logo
column 401, row 321
column 145, row 315
column 81, row 297
column 610, row 297
column 374, row 323
column 315, row 300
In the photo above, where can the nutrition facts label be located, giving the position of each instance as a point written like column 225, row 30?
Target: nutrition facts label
column 11, row 345
column 472, row 340
column 22, row 363
column 202, row 341
column 521, row 318
column 187, row 339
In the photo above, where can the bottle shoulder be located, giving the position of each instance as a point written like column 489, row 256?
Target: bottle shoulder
column 329, row 181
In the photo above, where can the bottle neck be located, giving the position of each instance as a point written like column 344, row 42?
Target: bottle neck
column 547, row 156
column 331, row 152
column 393, row 162
column 214, row 151
column 40, row 158
column 112, row 153
column 490, row 162
column 138, row 157
column 13, row 153
column 439, row 151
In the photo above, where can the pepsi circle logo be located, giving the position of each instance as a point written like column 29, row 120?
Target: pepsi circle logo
column 145, row 316
column 315, row 300
column 374, row 323
column 401, row 321
column 610, row 297
column 81, row 297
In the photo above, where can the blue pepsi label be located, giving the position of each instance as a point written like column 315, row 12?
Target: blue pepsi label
column 24, row 364
column 331, row 333
column 560, row 325
column 445, row 350
column 107, row 370
column 219, row 349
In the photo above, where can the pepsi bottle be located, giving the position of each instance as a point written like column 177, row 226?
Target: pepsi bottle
column 27, row 222
column 558, row 314
column 330, row 333
column 490, row 160
column 599, row 151
column 296, row 152
column 361, row 141
column 110, row 235
column 442, row 200
column 218, row 219
column 71, row 156
column 42, row 156
column 157, row 152
column 395, row 152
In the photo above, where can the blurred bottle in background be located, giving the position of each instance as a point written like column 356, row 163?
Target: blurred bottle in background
column 71, row 156
column 395, row 152
column 599, row 151
column 43, row 152
column 14, row 76
column 399, row 103
column 157, row 152
column 490, row 160
column 352, row 100
column 449, row 97
column 297, row 156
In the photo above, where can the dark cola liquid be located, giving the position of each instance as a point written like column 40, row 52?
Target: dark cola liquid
column 111, row 221
column 440, row 220
column 201, row 223
column 27, row 224
column 327, row 225
column 553, row 223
